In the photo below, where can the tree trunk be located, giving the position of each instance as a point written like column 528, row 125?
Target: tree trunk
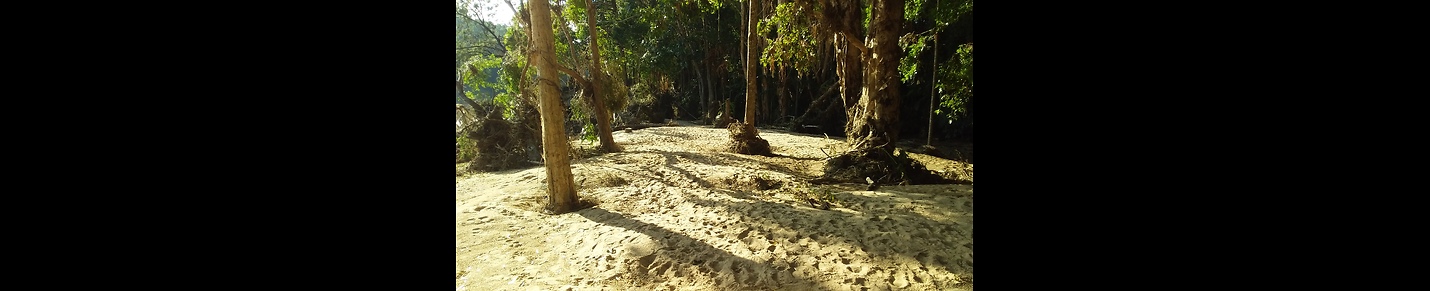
column 933, row 85
column 874, row 118
column 850, row 70
column 700, row 86
column 710, row 88
column 561, row 192
column 720, row 83
column 603, row 115
column 750, row 60
column 783, row 93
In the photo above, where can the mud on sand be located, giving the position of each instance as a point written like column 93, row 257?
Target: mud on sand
column 677, row 212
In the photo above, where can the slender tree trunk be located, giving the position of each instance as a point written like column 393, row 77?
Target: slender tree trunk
column 933, row 85
column 561, row 192
column 700, row 84
column 720, row 83
column 708, row 92
column 764, row 108
column 750, row 60
column 711, row 77
column 598, row 79
column 783, row 94
column 875, row 117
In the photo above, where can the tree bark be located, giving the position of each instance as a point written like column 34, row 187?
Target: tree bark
column 782, row 93
column 750, row 60
column 603, row 115
column 560, row 190
column 850, row 71
column 874, row 118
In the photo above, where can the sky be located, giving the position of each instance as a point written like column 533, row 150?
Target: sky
column 495, row 11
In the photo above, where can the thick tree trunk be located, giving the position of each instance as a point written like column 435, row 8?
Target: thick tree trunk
column 603, row 115
column 561, row 192
column 851, row 72
column 874, row 118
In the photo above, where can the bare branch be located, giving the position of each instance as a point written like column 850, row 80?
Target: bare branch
column 574, row 76
column 492, row 33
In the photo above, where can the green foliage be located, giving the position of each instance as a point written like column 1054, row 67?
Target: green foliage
column 614, row 92
column 794, row 46
column 641, row 94
column 487, row 66
column 946, row 12
column 472, row 37
column 466, row 149
column 913, row 45
column 868, row 15
column 590, row 132
column 955, row 85
column 954, row 77
column 506, row 101
column 580, row 111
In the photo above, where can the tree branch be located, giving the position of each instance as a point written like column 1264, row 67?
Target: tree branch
column 574, row 76
column 856, row 44
column 486, row 46
column 493, row 34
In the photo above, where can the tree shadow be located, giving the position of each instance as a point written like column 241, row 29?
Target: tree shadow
column 678, row 248
column 880, row 228
column 721, row 159
column 670, row 163
column 678, row 135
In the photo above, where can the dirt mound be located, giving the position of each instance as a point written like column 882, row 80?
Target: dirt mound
column 746, row 140
column 876, row 164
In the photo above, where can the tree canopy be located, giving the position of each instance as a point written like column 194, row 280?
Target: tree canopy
column 686, row 58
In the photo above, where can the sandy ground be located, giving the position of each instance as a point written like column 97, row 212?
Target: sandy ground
column 676, row 213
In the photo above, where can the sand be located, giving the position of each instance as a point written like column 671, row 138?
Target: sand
column 675, row 213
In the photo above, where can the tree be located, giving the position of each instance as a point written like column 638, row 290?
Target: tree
column 874, row 119
column 560, row 190
column 603, row 115
column 744, row 138
column 751, row 58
